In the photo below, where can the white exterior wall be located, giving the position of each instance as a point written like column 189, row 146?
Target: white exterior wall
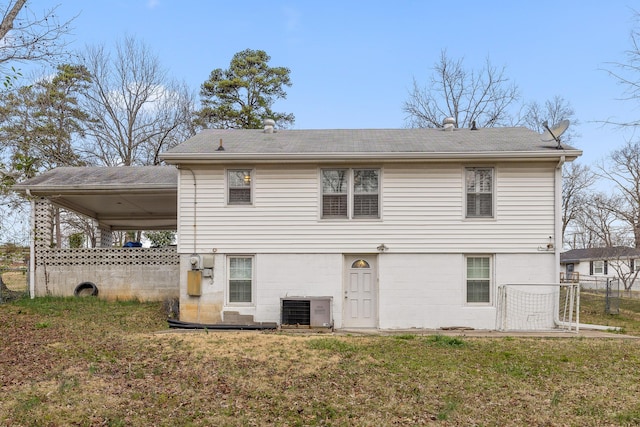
column 421, row 277
column 414, row 290
column 422, row 211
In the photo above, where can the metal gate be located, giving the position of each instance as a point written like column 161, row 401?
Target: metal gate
column 612, row 297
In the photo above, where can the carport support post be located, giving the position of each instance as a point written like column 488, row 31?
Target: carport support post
column 41, row 226
column 105, row 236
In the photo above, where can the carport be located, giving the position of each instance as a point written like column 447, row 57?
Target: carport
column 115, row 198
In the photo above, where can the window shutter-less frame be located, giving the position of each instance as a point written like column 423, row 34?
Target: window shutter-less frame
column 366, row 193
column 239, row 183
column 334, row 193
column 479, row 191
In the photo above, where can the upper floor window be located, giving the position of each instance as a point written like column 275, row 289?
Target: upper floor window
column 239, row 187
column 479, row 191
column 350, row 193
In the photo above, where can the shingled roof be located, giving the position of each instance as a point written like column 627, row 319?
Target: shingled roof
column 68, row 179
column 229, row 144
column 591, row 254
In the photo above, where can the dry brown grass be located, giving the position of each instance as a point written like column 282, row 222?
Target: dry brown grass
column 15, row 280
column 88, row 362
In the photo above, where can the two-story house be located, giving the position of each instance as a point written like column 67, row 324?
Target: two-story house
column 364, row 228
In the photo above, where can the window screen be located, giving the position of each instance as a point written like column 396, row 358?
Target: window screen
column 239, row 182
column 334, row 193
column 240, row 279
column 479, row 184
column 478, row 280
column 365, row 193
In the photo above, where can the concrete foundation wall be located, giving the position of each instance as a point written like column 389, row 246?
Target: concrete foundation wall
column 124, row 282
column 119, row 273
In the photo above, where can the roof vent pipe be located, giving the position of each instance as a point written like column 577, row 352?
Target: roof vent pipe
column 449, row 123
column 268, row 125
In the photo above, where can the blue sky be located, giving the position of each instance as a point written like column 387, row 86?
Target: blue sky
column 353, row 62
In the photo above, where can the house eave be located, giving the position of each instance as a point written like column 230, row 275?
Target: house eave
column 36, row 190
column 226, row 157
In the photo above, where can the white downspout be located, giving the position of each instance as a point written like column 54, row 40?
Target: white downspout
column 558, row 215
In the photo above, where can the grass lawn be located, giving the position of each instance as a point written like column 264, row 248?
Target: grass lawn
column 87, row 362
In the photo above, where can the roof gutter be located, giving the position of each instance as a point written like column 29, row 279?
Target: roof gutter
column 80, row 189
column 226, row 157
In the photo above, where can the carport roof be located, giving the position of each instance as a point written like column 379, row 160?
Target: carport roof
column 123, row 198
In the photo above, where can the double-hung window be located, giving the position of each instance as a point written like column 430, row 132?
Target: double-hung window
column 598, row 267
column 479, row 192
column 239, row 187
column 350, row 193
column 241, row 279
column 478, row 280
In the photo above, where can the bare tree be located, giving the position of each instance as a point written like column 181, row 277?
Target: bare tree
column 483, row 96
column 599, row 219
column 27, row 36
column 534, row 114
column 136, row 110
column 577, row 180
column 623, row 171
column 627, row 74
column 624, row 267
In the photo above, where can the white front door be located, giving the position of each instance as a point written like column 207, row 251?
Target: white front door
column 360, row 293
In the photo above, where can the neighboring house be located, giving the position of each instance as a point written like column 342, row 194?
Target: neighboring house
column 593, row 266
column 364, row 228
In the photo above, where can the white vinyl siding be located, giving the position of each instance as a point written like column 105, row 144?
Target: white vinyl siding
column 421, row 211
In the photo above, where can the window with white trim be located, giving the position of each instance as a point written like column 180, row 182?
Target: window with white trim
column 240, row 279
column 479, row 192
column 598, row 267
column 350, row 193
column 239, row 187
column 478, row 280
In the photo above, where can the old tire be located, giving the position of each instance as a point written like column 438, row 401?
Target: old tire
column 86, row 289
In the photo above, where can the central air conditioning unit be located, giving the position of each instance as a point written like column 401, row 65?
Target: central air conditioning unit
column 306, row 312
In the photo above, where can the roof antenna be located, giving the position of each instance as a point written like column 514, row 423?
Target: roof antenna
column 220, row 147
column 554, row 133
